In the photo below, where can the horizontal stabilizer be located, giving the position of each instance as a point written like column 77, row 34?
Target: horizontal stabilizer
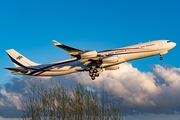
column 18, row 70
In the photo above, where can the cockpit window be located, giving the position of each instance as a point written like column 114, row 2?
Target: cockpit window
column 168, row 41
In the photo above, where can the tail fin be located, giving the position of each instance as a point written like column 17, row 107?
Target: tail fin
column 19, row 60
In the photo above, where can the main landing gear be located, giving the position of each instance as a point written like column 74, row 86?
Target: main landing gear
column 93, row 73
column 161, row 58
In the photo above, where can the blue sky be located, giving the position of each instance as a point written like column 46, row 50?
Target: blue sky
column 30, row 26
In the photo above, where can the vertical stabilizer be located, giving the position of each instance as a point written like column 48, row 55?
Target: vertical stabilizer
column 19, row 60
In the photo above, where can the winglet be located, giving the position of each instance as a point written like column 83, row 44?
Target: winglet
column 56, row 42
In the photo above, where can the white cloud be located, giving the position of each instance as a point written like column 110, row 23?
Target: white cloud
column 150, row 92
column 138, row 89
column 11, row 99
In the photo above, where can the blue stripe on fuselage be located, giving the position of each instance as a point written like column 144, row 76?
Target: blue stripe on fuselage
column 46, row 68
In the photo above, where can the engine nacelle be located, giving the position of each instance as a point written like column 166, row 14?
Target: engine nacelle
column 110, row 59
column 89, row 54
column 115, row 67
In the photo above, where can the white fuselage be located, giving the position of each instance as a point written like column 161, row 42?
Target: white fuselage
column 133, row 52
column 141, row 50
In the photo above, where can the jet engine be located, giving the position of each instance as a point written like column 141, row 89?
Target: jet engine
column 89, row 54
column 114, row 67
column 110, row 59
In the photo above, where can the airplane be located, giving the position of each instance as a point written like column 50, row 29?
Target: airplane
column 88, row 60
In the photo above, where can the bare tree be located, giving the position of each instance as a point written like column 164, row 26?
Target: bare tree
column 79, row 103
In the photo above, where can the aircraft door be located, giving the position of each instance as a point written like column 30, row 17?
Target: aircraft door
column 160, row 44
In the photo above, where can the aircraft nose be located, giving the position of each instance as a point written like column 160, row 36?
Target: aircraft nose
column 173, row 44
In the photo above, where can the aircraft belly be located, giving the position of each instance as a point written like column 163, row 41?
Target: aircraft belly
column 135, row 56
column 63, row 70
column 57, row 72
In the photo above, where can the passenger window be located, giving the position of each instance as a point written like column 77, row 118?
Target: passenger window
column 168, row 41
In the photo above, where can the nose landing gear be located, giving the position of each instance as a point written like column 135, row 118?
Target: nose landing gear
column 161, row 58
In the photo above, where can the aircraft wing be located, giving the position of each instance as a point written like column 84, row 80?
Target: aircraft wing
column 72, row 51
column 79, row 53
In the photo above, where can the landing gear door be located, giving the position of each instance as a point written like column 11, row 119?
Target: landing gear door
column 160, row 44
